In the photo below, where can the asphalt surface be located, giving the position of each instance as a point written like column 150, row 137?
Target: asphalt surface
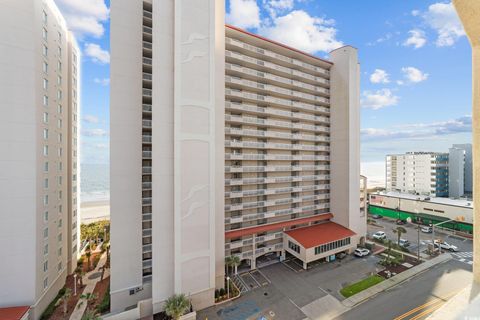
column 465, row 246
column 416, row 298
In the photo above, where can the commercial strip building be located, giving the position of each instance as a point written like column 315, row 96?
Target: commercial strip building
column 433, row 174
column 39, row 63
column 428, row 210
column 223, row 147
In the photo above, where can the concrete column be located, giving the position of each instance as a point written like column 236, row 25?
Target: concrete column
column 468, row 12
column 304, row 265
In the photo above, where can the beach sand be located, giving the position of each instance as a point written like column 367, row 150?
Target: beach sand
column 94, row 211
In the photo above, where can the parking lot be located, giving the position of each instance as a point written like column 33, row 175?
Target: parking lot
column 286, row 291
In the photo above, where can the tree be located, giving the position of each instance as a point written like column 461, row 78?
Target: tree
column 235, row 262
column 80, row 273
column 228, row 263
column 176, row 306
column 88, row 254
column 399, row 231
column 64, row 300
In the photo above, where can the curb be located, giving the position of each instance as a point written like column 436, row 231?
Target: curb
column 393, row 281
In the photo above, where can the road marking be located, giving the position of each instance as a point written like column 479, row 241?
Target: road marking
column 263, row 275
column 428, row 311
column 422, row 306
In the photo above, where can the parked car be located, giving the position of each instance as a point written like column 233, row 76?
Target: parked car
column 426, row 229
column 361, row 252
column 445, row 246
column 379, row 235
column 400, row 222
column 404, row 243
column 376, row 216
column 341, row 255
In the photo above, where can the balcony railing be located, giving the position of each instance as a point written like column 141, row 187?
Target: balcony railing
column 147, row 123
column 275, row 134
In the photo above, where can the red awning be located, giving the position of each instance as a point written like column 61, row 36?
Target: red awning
column 319, row 234
column 13, row 313
column 276, row 226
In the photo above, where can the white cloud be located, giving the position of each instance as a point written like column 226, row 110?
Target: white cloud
column 102, row 82
column 94, row 132
column 85, row 17
column 379, row 76
column 275, row 7
column 417, row 39
column 90, row 118
column 415, row 13
column 244, row 14
column 379, row 99
column 414, row 75
column 96, row 53
column 300, row 30
column 443, row 18
column 419, row 130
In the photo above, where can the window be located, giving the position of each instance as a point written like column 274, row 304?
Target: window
column 45, row 50
column 45, row 249
column 59, row 94
column 59, row 109
column 45, row 134
column 45, row 117
column 45, row 266
column 60, row 208
column 59, row 37
column 45, row 34
column 45, row 283
column 45, row 67
column 294, row 247
column 45, row 183
column 45, row 232
column 59, row 80
column 60, row 152
column 45, row 101
column 45, row 199
column 45, row 150
column 59, row 238
column 44, row 17
column 59, row 197
column 59, row 52
column 45, row 216
column 45, row 166
column 60, row 166
column 59, row 268
column 59, row 123
column 59, row 137
column 60, row 223
column 59, row 180
column 45, row 84
column 59, row 66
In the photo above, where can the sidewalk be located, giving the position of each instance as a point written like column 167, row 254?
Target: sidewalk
column 90, row 280
column 393, row 281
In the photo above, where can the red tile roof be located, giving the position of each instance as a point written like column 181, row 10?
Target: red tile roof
column 275, row 226
column 319, row 234
column 13, row 313
column 277, row 43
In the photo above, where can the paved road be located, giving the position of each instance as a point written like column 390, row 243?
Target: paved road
column 416, row 298
column 465, row 246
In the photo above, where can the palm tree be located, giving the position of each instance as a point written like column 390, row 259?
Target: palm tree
column 80, row 273
column 235, row 261
column 399, row 231
column 64, row 300
column 88, row 254
column 176, row 306
column 228, row 263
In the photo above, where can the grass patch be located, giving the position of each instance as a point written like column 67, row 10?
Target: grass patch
column 361, row 285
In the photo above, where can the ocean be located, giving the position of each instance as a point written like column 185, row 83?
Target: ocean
column 95, row 182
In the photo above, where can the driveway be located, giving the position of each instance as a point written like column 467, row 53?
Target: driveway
column 292, row 295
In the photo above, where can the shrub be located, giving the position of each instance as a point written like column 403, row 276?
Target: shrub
column 80, row 261
column 51, row 307
column 104, row 305
column 222, row 292
column 217, row 294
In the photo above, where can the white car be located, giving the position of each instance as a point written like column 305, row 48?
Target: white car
column 404, row 243
column 446, row 246
column 426, row 229
column 361, row 252
column 379, row 235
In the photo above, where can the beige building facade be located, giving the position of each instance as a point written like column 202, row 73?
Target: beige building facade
column 220, row 141
column 39, row 184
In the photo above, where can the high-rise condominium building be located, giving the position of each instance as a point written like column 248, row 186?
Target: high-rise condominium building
column 423, row 173
column 39, row 87
column 222, row 143
column 460, row 173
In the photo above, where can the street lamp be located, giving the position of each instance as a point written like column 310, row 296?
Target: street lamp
column 75, row 284
column 418, row 232
column 228, row 287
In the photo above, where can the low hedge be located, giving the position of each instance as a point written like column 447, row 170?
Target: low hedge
column 53, row 305
column 104, row 305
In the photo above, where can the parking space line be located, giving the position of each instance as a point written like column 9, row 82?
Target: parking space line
column 263, row 275
column 286, row 265
column 250, row 274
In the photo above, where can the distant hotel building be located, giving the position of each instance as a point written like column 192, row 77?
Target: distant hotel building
column 460, row 174
column 423, row 173
column 39, row 232
column 222, row 143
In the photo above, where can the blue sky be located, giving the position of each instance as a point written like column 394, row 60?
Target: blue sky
column 415, row 61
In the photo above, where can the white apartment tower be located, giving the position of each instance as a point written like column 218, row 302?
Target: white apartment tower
column 222, row 142
column 39, row 108
column 423, row 173
column 460, row 173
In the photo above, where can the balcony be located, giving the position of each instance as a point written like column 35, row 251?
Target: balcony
column 147, row 108
column 281, row 146
column 275, row 134
column 147, row 154
column 147, row 14
column 146, row 201
column 245, row 169
column 147, row 76
column 147, row 30
column 146, row 185
column 268, row 203
column 147, row 123
column 271, row 191
column 275, row 123
column 147, row 61
column 147, row 92
column 146, row 139
column 249, row 181
column 146, row 170
column 147, row 45
column 276, row 157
